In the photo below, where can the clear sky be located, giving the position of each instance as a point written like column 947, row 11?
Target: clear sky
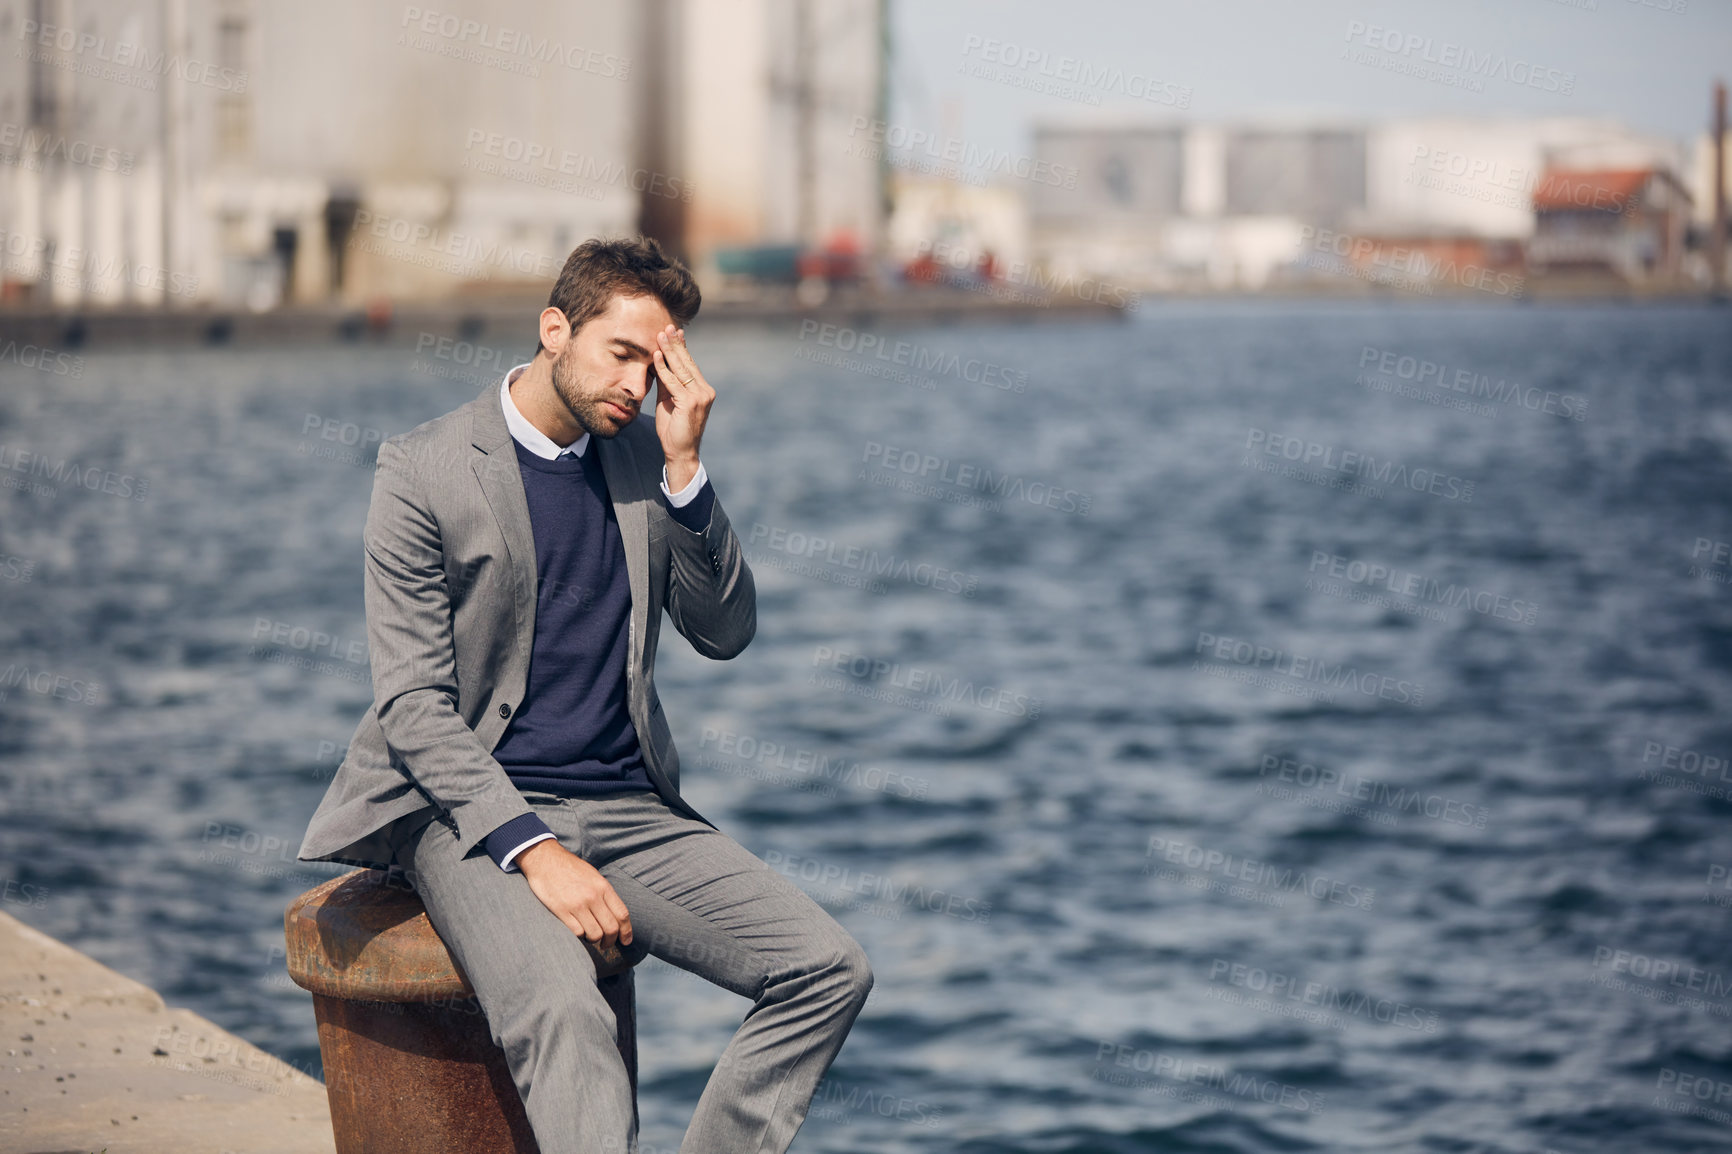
column 1648, row 63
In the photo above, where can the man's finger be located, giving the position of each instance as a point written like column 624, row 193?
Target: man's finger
column 667, row 377
column 605, row 919
column 687, row 366
column 623, row 915
column 588, row 928
column 680, row 358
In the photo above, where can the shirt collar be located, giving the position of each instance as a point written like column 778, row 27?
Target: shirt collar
column 526, row 434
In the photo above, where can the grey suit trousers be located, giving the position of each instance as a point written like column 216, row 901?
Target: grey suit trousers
column 698, row 900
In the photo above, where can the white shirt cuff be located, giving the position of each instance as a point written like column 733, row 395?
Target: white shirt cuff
column 688, row 494
column 508, row 864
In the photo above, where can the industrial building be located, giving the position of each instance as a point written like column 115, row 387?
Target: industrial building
column 160, row 155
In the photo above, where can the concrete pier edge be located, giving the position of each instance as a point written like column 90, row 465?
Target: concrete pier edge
column 95, row 1061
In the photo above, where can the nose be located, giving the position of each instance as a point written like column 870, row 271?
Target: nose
column 638, row 385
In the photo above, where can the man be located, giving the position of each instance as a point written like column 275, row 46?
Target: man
column 516, row 763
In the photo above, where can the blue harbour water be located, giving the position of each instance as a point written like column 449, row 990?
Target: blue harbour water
column 1285, row 759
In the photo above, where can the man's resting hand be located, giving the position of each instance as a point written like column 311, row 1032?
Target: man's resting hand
column 576, row 893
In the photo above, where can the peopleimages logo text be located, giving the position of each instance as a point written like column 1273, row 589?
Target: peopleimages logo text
column 1396, row 798
column 920, row 358
column 127, row 54
column 36, row 147
column 1478, row 386
column 1663, row 971
column 1071, row 70
column 1362, row 466
column 1338, row 675
column 510, row 42
column 991, row 161
column 45, row 359
column 929, row 681
column 863, row 559
column 1266, row 875
column 1405, row 266
column 549, row 157
column 776, row 755
column 47, row 683
column 975, row 478
column 1277, row 985
column 1190, row 1072
column 1404, row 583
column 877, row 887
column 69, row 472
column 1447, row 54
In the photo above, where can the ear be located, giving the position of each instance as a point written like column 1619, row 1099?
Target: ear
column 555, row 330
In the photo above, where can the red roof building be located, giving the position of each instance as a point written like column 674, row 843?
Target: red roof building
column 1627, row 223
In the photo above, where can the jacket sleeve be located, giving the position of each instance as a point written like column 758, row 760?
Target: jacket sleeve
column 711, row 597
column 414, row 661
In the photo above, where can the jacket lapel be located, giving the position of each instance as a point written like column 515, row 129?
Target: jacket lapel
column 618, row 466
column 495, row 467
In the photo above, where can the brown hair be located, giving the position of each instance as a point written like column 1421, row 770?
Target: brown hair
column 599, row 270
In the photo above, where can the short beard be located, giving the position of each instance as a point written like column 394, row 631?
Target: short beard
column 585, row 407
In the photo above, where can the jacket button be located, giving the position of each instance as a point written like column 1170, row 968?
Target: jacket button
column 504, row 709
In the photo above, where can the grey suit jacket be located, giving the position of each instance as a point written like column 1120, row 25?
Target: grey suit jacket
column 451, row 593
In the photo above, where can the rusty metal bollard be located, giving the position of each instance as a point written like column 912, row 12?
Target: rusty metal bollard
column 409, row 1063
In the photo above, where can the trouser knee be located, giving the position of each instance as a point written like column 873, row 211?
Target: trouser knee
column 855, row 971
column 842, row 979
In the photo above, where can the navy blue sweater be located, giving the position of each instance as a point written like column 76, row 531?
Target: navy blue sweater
column 573, row 734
